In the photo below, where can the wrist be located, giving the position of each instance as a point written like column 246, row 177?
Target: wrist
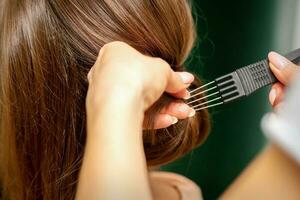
column 118, row 107
column 114, row 97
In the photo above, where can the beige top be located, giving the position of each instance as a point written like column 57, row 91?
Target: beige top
column 187, row 189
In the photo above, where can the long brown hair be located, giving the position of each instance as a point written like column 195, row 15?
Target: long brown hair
column 47, row 48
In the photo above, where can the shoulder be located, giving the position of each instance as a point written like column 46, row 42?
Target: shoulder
column 165, row 184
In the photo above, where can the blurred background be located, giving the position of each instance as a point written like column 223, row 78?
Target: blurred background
column 232, row 34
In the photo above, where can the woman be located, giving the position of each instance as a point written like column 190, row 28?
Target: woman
column 55, row 123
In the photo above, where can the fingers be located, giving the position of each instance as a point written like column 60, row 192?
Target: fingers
column 184, row 94
column 283, row 69
column 178, row 82
column 179, row 110
column 164, row 121
column 276, row 94
column 170, row 115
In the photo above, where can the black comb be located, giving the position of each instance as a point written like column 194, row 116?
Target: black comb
column 240, row 83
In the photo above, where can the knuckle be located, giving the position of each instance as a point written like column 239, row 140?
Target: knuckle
column 115, row 47
column 102, row 50
column 109, row 45
column 291, row 69
column 292, row 65
column 161, row 63
column 117, row 44
column 89, row 76
column 104, row 47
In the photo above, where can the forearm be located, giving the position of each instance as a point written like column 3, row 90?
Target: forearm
column 272, row 175
column 114, row 165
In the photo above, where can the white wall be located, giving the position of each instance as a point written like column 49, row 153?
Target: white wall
column 285, row 36
column 296, row 36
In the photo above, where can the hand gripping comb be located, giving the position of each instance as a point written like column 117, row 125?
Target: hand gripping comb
column 240, row 83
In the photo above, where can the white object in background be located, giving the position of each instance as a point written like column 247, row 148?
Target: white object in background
column 296, row 32
column 283, row 126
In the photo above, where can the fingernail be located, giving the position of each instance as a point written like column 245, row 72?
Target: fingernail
column 187, row 95
column 182, row 107
column 186, row 77
column 272, row 96
column 192, row 112
column 279, row 61
column 175, row 120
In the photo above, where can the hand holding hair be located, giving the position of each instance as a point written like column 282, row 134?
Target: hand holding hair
column 121, row 69
column 132, row 83
column 100, row 135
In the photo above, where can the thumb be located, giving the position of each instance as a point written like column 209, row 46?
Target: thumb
column 283, row 69
column 178, row 81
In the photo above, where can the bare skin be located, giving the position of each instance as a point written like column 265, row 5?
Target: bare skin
column 114, row 165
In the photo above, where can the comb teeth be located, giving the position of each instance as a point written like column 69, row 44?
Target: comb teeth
column 232, row 86
column 199, row 101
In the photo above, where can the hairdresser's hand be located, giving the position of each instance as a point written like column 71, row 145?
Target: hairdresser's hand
column 284, row 71
column 121, row 71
